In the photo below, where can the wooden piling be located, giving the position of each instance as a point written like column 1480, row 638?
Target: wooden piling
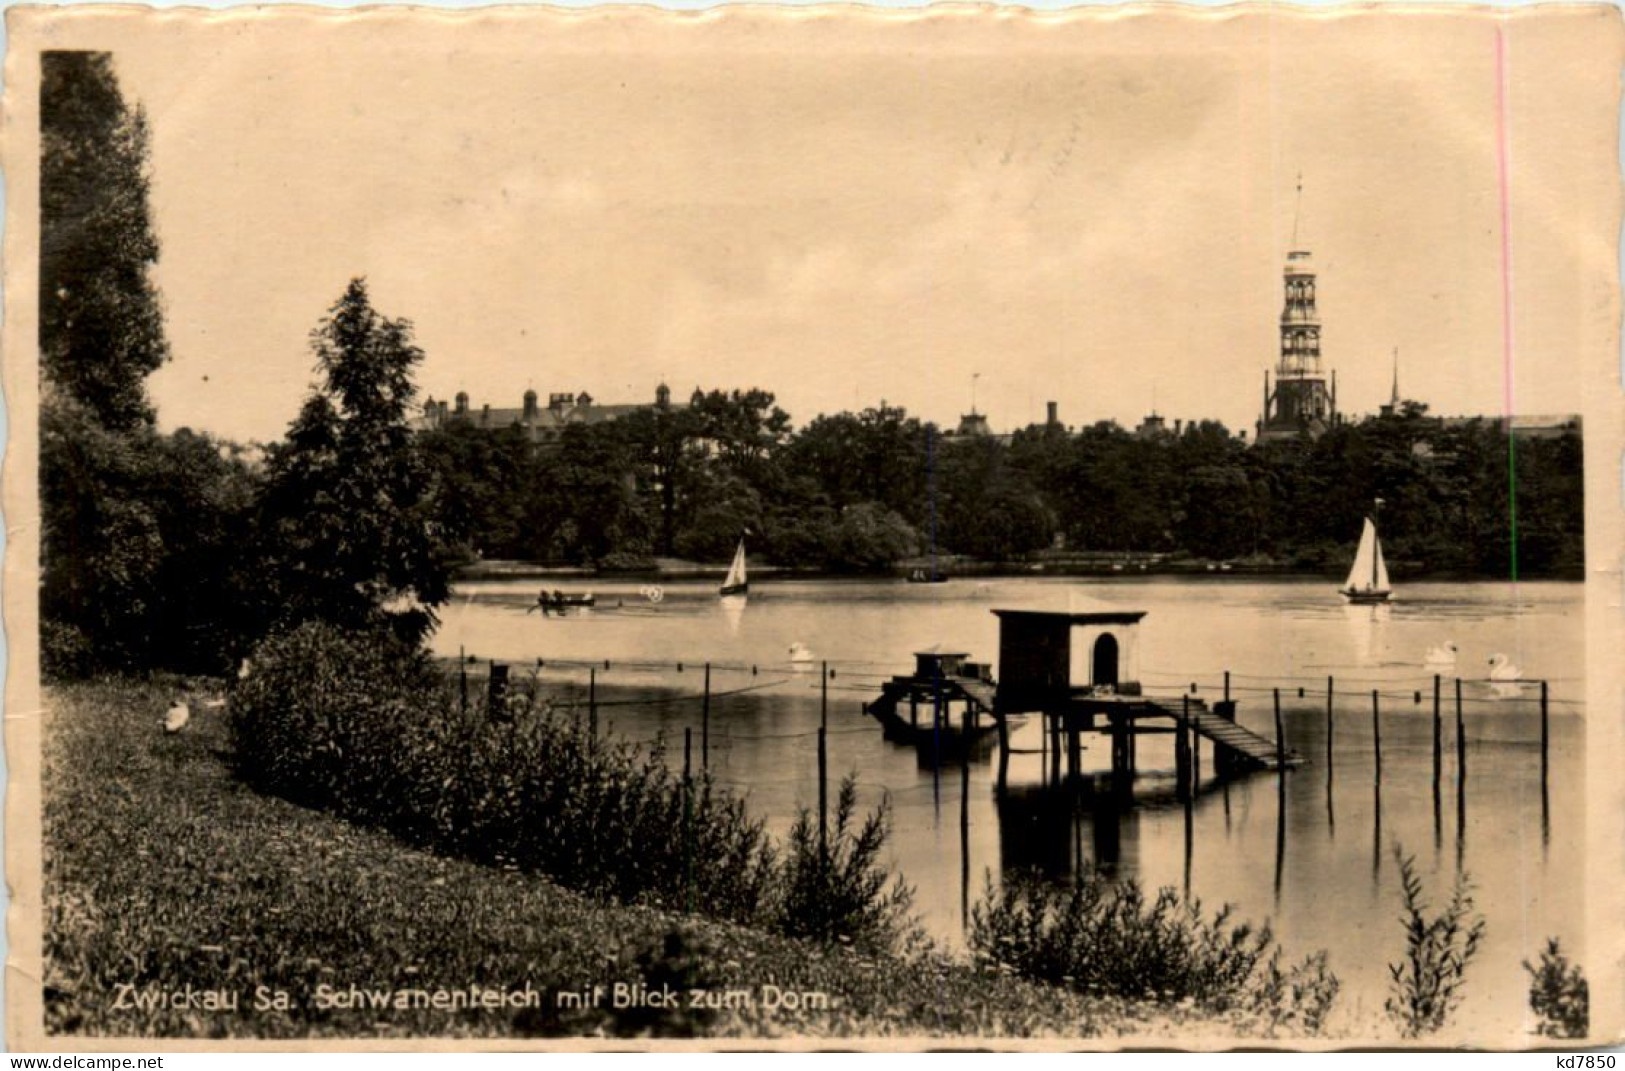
column 1545, row 737
column 823, row 795
column 1280, row 735
column 1376, row 731
column 823, row 695
column 688, row 816
column 1182, row 751
column 1438, row 738
column 1461, row 739
column 1227, row 686
column 1329, row 690
column 705, row 721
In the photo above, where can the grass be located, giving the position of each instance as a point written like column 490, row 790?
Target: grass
column 163, row 870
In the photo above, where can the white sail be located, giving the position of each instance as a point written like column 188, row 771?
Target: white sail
column 1369, row 572
column 736, row 572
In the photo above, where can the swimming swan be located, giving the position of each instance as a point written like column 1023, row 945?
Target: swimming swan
column 1502, row 670
column 1442, row 655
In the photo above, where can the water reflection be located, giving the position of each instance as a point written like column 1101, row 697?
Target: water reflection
column 1322, row 891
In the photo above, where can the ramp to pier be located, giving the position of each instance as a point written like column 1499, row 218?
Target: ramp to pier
column 1255, row 749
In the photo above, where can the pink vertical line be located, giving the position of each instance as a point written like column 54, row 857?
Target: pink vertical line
column 1502, row 158
column 1502, row 154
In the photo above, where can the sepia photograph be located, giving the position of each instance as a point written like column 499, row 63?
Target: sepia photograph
column 813, row 527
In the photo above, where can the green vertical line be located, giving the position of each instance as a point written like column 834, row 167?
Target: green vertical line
column 1512, row 496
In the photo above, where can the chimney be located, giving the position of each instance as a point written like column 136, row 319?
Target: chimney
column 1054, row 414
column 1178, row 426
column 462, row 403
column 530, row 405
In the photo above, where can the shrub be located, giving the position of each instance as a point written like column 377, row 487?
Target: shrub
column 368, row 728
column 1558, row 994
column 1426, row 986
column 1108, row 940
column 841, row 891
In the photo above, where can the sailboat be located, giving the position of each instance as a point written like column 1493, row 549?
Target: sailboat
column 1368, row 578
column 736, row 582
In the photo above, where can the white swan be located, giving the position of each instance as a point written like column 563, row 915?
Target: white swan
column 1503, row 670
column 1442, row 655
column 800, row 654
column 176, row 717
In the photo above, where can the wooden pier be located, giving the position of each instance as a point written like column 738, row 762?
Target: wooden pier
column 1078, row 672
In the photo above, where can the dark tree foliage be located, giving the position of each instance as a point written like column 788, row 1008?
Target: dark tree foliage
column 101, row 329
column 142, row 534
column 350, row 530
column 140, row 531
column 863, row 491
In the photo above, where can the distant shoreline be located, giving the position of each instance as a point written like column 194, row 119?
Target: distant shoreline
column 668, row 569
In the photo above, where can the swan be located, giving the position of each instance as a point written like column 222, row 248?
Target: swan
column 176, row 717
column 799, row 654
column 1502, row 670
column 1442, row 655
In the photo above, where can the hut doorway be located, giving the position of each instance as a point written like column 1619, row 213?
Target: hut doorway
column 1104, row 670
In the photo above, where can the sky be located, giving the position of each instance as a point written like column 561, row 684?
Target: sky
column 1091, row 211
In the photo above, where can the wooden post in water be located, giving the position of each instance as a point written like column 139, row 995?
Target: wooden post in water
column 688, row 817
column 823, row 695
column 1461, row 739
column 1376, row 731
column 592, row 702
column 1438, row 736
column 1227, row 686
column 705, row 721
column 1545, row 737
column 823, row 797
column 1330, row 687
column 1182, row 751
column 1196, row 754
column 1280, row 736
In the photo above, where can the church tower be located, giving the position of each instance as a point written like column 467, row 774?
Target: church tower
column 1301, row 402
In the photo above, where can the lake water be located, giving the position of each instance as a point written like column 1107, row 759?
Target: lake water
column 1314, row 858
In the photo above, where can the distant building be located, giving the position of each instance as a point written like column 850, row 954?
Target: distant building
column 1152, row 427
column 1529, row 426
column 540, row 425
column 1303, row 401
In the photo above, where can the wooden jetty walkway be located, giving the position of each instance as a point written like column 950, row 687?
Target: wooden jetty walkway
column 1078, row 673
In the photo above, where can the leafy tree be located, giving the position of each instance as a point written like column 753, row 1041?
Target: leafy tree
column 348, row 516
column 870, row 537
column 144, row 532
column 101, row 329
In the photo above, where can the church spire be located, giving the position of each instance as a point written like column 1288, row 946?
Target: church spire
column 1297, row 211
column 1393, row 399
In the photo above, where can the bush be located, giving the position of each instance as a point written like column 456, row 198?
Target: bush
column 842, row 891
column 321, row 713
column 1558, row 994
column 1426, row 985
column 368, row 728
column 1107, row 940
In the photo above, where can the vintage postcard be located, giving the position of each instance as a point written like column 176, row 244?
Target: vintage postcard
column 813, row 527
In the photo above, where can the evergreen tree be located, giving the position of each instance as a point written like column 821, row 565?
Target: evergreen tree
column 349, row 517
column 101, row 329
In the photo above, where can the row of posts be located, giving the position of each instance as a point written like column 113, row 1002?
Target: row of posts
column 1187, row 743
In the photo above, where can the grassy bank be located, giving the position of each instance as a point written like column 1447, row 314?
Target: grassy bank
column 163, row 872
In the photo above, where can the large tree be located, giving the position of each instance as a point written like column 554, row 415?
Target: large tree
column 348, row 518
column 101, row 329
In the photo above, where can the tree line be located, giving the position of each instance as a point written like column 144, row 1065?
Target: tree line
column 184, row 549
column 861, row 491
